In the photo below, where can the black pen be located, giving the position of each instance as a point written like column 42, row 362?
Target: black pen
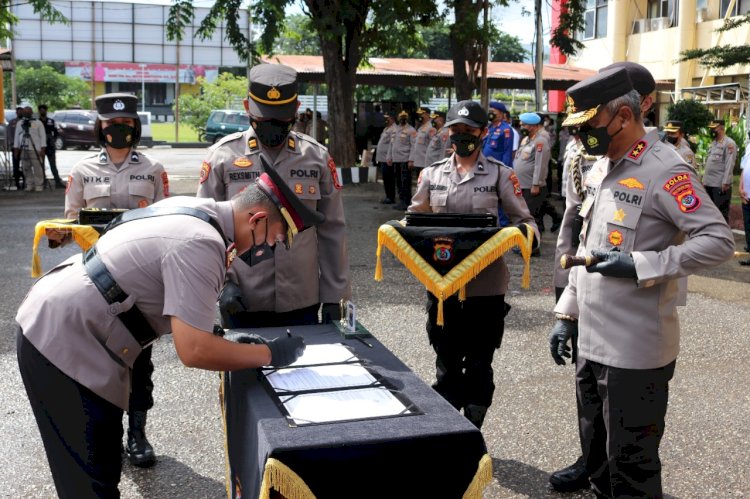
column 363, row 341
column 288, row 333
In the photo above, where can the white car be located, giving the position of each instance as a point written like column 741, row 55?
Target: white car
column 147, row 140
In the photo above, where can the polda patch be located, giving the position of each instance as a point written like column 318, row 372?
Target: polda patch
column 681, row 188
column 334, row 173
column 205, row 170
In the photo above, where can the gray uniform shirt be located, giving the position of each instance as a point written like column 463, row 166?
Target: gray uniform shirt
column 95, row 182
column 384, row 142
column 437, row 149
column 684, row 150
column 649, row 204
column 401, row 144
column 169, row 266
column 316, row 268
column 421, row 141
column 719, row 162
column 488, row 186
column 532, row 160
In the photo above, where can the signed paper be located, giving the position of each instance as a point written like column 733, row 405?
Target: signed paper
column 320, row 377
column 342, row 405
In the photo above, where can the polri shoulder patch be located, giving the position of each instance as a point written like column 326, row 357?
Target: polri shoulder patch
column 516, row 184
column 334, row 173
column 205, row 170
column 165, row 183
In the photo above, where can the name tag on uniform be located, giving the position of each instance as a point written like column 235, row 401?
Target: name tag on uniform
column 586, row 206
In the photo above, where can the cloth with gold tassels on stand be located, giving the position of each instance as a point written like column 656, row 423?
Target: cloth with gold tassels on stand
column 445, row 259
column 84, row 236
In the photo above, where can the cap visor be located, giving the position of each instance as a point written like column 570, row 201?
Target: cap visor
column 465, row 121
column 280, row 112
column 118, row 114
column 670, row 129
column 713, row 125
column 580, row 117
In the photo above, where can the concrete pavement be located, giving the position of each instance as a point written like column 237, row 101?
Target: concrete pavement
column 530, row 429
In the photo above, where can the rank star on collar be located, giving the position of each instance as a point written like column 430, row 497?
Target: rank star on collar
column 619, row 215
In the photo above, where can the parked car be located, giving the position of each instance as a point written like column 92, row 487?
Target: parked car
column 75, row 127
column 147, row 139
column 223, row 122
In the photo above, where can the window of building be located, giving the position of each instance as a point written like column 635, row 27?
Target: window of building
column 595, row 19
column 741, row 7
column 663, row 9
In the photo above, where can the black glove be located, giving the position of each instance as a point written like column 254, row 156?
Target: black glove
column 613, row 264
column 285, row 350
column 331, row 312
column 528, row 232
column 242, row 337
column 230, row 304
column 563, row 331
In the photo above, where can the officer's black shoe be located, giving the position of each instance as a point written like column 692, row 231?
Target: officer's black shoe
column 570, row 479
column 535, row 252
column 555, row 226
column 140, row 452
column 400, row 206
column 745, row 262
column 386, row 201
column 60, row 184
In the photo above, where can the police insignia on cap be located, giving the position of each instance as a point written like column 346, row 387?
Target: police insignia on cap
column 463, row 112
column 571, row 104
column 273, row 94
column 118, row 105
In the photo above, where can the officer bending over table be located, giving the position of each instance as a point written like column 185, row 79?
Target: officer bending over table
column 647, row 222
column 83, row 324
column 468, row 182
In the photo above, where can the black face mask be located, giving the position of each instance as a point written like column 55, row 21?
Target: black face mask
column 259, row 252
column 271, row 133
column 524, row 132
column 464, row 143
column 596, row 140
column 119, row 135
column 402, row 121
column 491, row 116
column 714, row 133
column 434, row 124
column 672, row 139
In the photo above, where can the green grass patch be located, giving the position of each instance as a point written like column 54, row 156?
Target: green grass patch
column 165, row 132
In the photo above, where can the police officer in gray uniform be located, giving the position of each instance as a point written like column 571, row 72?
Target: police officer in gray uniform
column 118, row 176
column 646, row 223
column 425, row 132
column 283, row 287
column 381, row 152
column 468, row 182
column 83, row 324
column 531, row 164
column 720, row 160
column 674, row 135
column 439, row 146
column 398, row 156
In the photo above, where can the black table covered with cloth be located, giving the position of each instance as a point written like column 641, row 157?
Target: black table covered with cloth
column 437, row 453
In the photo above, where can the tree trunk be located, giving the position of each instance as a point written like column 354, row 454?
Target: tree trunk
column 463, row 35
column 340, row 80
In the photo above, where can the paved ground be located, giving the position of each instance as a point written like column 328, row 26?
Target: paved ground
column 531, row 427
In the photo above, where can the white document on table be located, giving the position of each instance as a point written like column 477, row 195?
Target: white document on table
column 320, row 377
column 333, row 353
column 342, row 405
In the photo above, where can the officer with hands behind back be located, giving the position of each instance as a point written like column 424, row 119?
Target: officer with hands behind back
column 720, row 160
column 468, row 182
column 646, row 223
column 281, row 287
column 120, row 177
column 159, row 270
column 50, row 129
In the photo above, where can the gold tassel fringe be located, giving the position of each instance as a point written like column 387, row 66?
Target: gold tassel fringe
column 455, row 280
column 84, row 235
column 481, row 479
column 281, row 478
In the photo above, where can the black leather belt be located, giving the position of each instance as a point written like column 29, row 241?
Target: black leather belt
column 133, row 319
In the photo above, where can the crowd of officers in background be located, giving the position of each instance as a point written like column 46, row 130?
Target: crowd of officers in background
column 407, row 145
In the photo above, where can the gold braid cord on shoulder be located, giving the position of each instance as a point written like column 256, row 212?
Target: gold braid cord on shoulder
column 455, row 280
column 84, row 235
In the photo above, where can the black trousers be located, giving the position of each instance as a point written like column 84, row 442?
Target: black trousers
column 535, row 203
column 18, row 172
column 621, row 422
column 388, row 172
column 403, row 182
column 472, row 330
column 722, row 200
column 81, row 432
column 299, row 317
column 49, row 151
column 142, row 386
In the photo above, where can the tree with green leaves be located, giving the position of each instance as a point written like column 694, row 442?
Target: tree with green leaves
column 346, row 30
column 721, row 56
column 507, row 48
column 298, row 37
column 44, row 85
column 220, row 94
column 693, row 114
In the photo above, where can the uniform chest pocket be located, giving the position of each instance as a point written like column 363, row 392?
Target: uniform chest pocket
column 621, row 225
column 95, row 191
column 484, row 203
column 306, row 189
column 438, row 201
column 141, row 189
column 404, row 138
